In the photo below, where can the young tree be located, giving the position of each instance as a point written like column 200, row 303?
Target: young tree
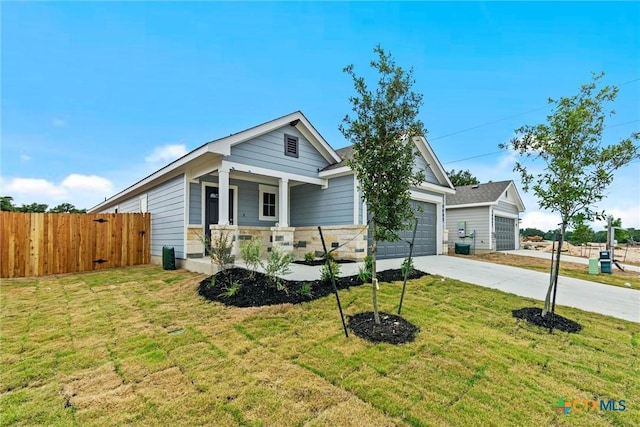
column 460, row 178
column 578, row 166
column 382, row 129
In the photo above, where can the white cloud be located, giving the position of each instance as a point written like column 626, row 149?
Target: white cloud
column 59, row 123
column 87, row 183
column 25, row 157
column 166, row 153
column 34, row 187
column 83, row 191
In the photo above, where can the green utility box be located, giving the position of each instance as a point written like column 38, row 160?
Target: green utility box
column 168, row 258
column 605, row 266
column 463, row 248
column 593, row 266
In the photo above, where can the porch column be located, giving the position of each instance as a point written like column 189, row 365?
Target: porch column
column 223, row 197
column 283, row 212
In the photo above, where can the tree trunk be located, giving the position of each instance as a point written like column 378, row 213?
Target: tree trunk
column 555, row 270
column 374, row 279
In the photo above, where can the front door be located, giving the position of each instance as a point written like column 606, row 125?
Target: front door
column 211, row 208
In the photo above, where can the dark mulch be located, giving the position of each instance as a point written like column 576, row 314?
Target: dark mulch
column 392, row 329
column 258, row 290
column 534, row 315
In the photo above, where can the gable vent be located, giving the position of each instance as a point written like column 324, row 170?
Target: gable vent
column 290, row 145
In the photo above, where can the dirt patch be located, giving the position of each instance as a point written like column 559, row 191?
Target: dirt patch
column 241, row 288
column 623, row 253
column 392, row 329
column 534, row 315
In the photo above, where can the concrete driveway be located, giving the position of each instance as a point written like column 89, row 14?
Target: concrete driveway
column 612, row 301
column 567, row 258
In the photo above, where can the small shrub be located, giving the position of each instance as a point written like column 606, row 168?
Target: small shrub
column 220, row 248
column 309, row 257
column 305, row 290
column 326, row 274
column 368, row 262
column 365, row 272
column 250, row 252
column 277, row 264
column 407, row 267
column 231, row 290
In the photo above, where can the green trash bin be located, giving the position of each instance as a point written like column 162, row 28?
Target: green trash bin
column 168, row 258
column 605, row 266
column 593, row 266
column 463, row 248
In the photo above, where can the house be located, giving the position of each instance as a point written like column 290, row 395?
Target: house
column 486, row 216
column 277, row 181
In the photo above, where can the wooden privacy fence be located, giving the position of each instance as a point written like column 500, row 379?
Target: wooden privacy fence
column 39, row 244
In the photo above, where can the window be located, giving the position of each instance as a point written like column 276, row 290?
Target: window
column 290, row 145
column 268, row 203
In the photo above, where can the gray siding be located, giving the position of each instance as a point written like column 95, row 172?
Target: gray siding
column 131, row 205
column 166, row 205
column 477, row 219
column 421, row 164
column 267, row 151
column 248, row 202
column 195, row 203
column 311, row 205
column 506, row 207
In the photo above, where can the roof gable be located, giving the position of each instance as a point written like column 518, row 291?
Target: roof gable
column 423, row 147
column 222, row 147
column 485, row 194
column 296, row 119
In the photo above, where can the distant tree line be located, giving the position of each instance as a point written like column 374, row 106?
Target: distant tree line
column 582, row 233
column 7, row 205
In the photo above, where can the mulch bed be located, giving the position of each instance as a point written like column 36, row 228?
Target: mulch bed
column 392, row 329
column 534, row 315
column 254, row 289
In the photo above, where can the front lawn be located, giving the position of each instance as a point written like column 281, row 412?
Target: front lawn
column 139, row 346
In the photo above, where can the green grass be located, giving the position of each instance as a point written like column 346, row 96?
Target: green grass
column 101, row 349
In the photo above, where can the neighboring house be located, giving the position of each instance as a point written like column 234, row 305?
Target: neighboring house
column 277, row 181
column 490, row 212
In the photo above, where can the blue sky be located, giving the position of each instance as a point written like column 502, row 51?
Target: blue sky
column 96, row 95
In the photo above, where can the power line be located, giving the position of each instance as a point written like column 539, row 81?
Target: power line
column 486, row 124
column 474, row 157
column 518, row 115
column 501, row 151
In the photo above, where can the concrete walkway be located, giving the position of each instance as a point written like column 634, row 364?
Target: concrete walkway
column 612, row 301
column 567, row 258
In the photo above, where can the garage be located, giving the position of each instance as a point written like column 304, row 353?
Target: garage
column 425, row 243
column 505, row 233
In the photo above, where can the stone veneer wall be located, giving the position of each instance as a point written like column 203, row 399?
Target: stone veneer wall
column 298, row 240
column 307, row 239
